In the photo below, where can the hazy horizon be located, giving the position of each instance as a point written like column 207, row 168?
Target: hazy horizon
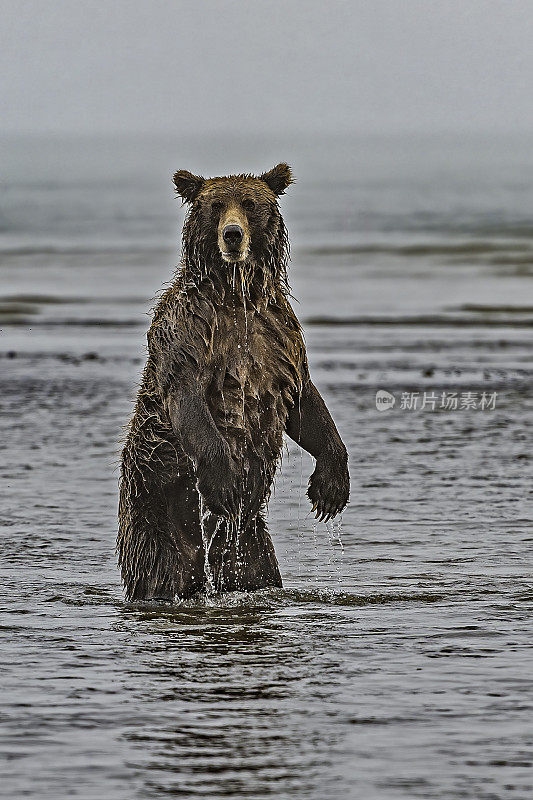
column 275, row 68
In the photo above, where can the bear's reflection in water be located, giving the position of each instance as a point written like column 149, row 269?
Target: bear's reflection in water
column 224, row 683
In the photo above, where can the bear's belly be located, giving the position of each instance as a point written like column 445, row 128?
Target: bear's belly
column 255, row 382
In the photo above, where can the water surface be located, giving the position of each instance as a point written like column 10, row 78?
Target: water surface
column 396, row 662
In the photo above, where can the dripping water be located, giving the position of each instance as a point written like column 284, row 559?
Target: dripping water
column 336, row 550
column 207, row 541
column 299, row 530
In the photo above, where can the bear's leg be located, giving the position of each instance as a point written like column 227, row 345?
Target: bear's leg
column 159, row 546
column 243, row 560
column 182, row 501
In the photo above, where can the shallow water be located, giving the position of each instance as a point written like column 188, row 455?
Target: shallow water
column 397, row 660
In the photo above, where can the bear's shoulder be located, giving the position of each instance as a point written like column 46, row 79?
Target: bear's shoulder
column 180, row 301
column 183, row 320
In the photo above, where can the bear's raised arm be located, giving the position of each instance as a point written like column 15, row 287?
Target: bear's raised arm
column 209, row 452
column 310, row 425
column 178, row 361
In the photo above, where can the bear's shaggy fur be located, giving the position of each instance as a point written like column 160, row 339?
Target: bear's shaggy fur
column 226, row 376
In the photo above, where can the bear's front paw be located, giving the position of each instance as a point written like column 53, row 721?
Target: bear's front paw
column 329, row 487
column 219, row 483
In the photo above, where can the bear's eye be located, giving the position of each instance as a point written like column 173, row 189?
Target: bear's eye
column 216, row 205
column 248, row 205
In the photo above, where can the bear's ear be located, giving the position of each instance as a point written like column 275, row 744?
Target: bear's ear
column 278, row 178
column 188, row 185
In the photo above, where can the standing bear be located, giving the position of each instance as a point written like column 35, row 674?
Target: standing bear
column 226, row 377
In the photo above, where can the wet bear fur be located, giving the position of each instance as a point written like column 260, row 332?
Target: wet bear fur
column 226, row 376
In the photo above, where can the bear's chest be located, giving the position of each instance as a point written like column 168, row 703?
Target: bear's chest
column 257, row 352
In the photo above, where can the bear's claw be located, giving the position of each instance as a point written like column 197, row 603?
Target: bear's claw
column 328, row 490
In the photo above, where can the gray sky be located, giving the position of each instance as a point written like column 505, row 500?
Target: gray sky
column 174, row 66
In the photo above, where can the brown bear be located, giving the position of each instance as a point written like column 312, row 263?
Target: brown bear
column 226, row 376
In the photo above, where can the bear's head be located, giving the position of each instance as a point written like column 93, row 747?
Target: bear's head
column 234, row 220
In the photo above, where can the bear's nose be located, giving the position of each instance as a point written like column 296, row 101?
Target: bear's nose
column 232, row 235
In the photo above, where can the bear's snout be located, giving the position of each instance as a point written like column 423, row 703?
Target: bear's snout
column 233, row 236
